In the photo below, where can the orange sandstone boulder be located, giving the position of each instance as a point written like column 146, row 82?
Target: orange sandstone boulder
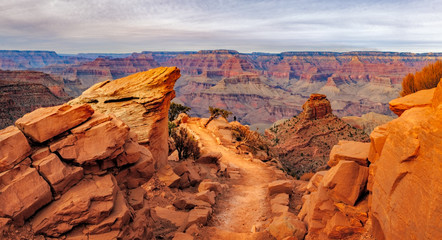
column 199, row 216
column 58, row 174
column 14, row 147
column 22, row 192
column 346, row 181
column 281, row 186
column 210, row 185
column 89, row 202
column 206, row 196
column 46, row 123
column 339, row 227
column 314, row 182
column 420, row 98
column 177, row 218
column 117, row 219
column 287, row 225
column 99, row 138
column 377, row 139
column 168, row 176
column 349, row 151
column 142, row 101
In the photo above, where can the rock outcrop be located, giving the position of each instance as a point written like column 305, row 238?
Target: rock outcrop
column 336, row 205
column 404, row 180
column 316, row 107
column 420, row 98
column 304, row 142
column 142, row 101
column 72, row 175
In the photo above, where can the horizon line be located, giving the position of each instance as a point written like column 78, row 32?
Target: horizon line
column 222, row 49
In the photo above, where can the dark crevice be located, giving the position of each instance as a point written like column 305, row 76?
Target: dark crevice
column 121, row 99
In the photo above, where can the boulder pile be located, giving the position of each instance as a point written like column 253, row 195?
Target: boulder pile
column 336, row 206
column 390, row 187
column 66, row 167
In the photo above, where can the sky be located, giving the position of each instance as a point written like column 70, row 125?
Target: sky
column 125, row 26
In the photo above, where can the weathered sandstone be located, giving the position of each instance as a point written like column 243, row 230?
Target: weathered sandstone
column 46, row 123
column 100, row 138
column 22, row 192
column 90, row 202
column 405, row 178
column 59, row 175
column 346, row 181
column 349, row 151
column 304, row 142
column 140, row 100
column 14, row 147
column 421, row 98
column 316, row 107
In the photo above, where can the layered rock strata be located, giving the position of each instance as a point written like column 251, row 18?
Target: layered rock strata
column 142, row 101
column 304, row 142
column 66, row 175
column 24, row 91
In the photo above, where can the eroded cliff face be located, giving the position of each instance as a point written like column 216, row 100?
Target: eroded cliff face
column 104, row 68
column 355, row 82
column 304, row 142
column 24, row 91
column 21, row 60
column 404, row 182
column 142, row 101
column 389, row 188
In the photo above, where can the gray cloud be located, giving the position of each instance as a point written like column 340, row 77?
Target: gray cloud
column 248, row 25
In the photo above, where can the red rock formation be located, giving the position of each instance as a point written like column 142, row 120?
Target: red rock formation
column 421, row 98
column 405, row 173
column 316, row 107
column 355, row 82
column 247, row 95
column 336, row 206
column 140, row 100
column 304, row 142
column 58, row 179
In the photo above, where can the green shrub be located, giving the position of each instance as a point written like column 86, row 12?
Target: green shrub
column 185, row 144
column 175, row 110
column 217, row 112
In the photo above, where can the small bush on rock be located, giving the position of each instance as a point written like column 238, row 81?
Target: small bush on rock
column 217, row 112
column 175, row 110
column 185, row 144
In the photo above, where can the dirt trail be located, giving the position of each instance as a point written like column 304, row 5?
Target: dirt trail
column 245, row 203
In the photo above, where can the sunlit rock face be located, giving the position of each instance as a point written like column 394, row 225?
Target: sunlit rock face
column 404, row 179
column 142, row 101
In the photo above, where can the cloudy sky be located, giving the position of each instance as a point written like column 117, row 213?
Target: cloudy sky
column 72, row 26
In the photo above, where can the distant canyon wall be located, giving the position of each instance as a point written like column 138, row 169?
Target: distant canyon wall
column 259, row 88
